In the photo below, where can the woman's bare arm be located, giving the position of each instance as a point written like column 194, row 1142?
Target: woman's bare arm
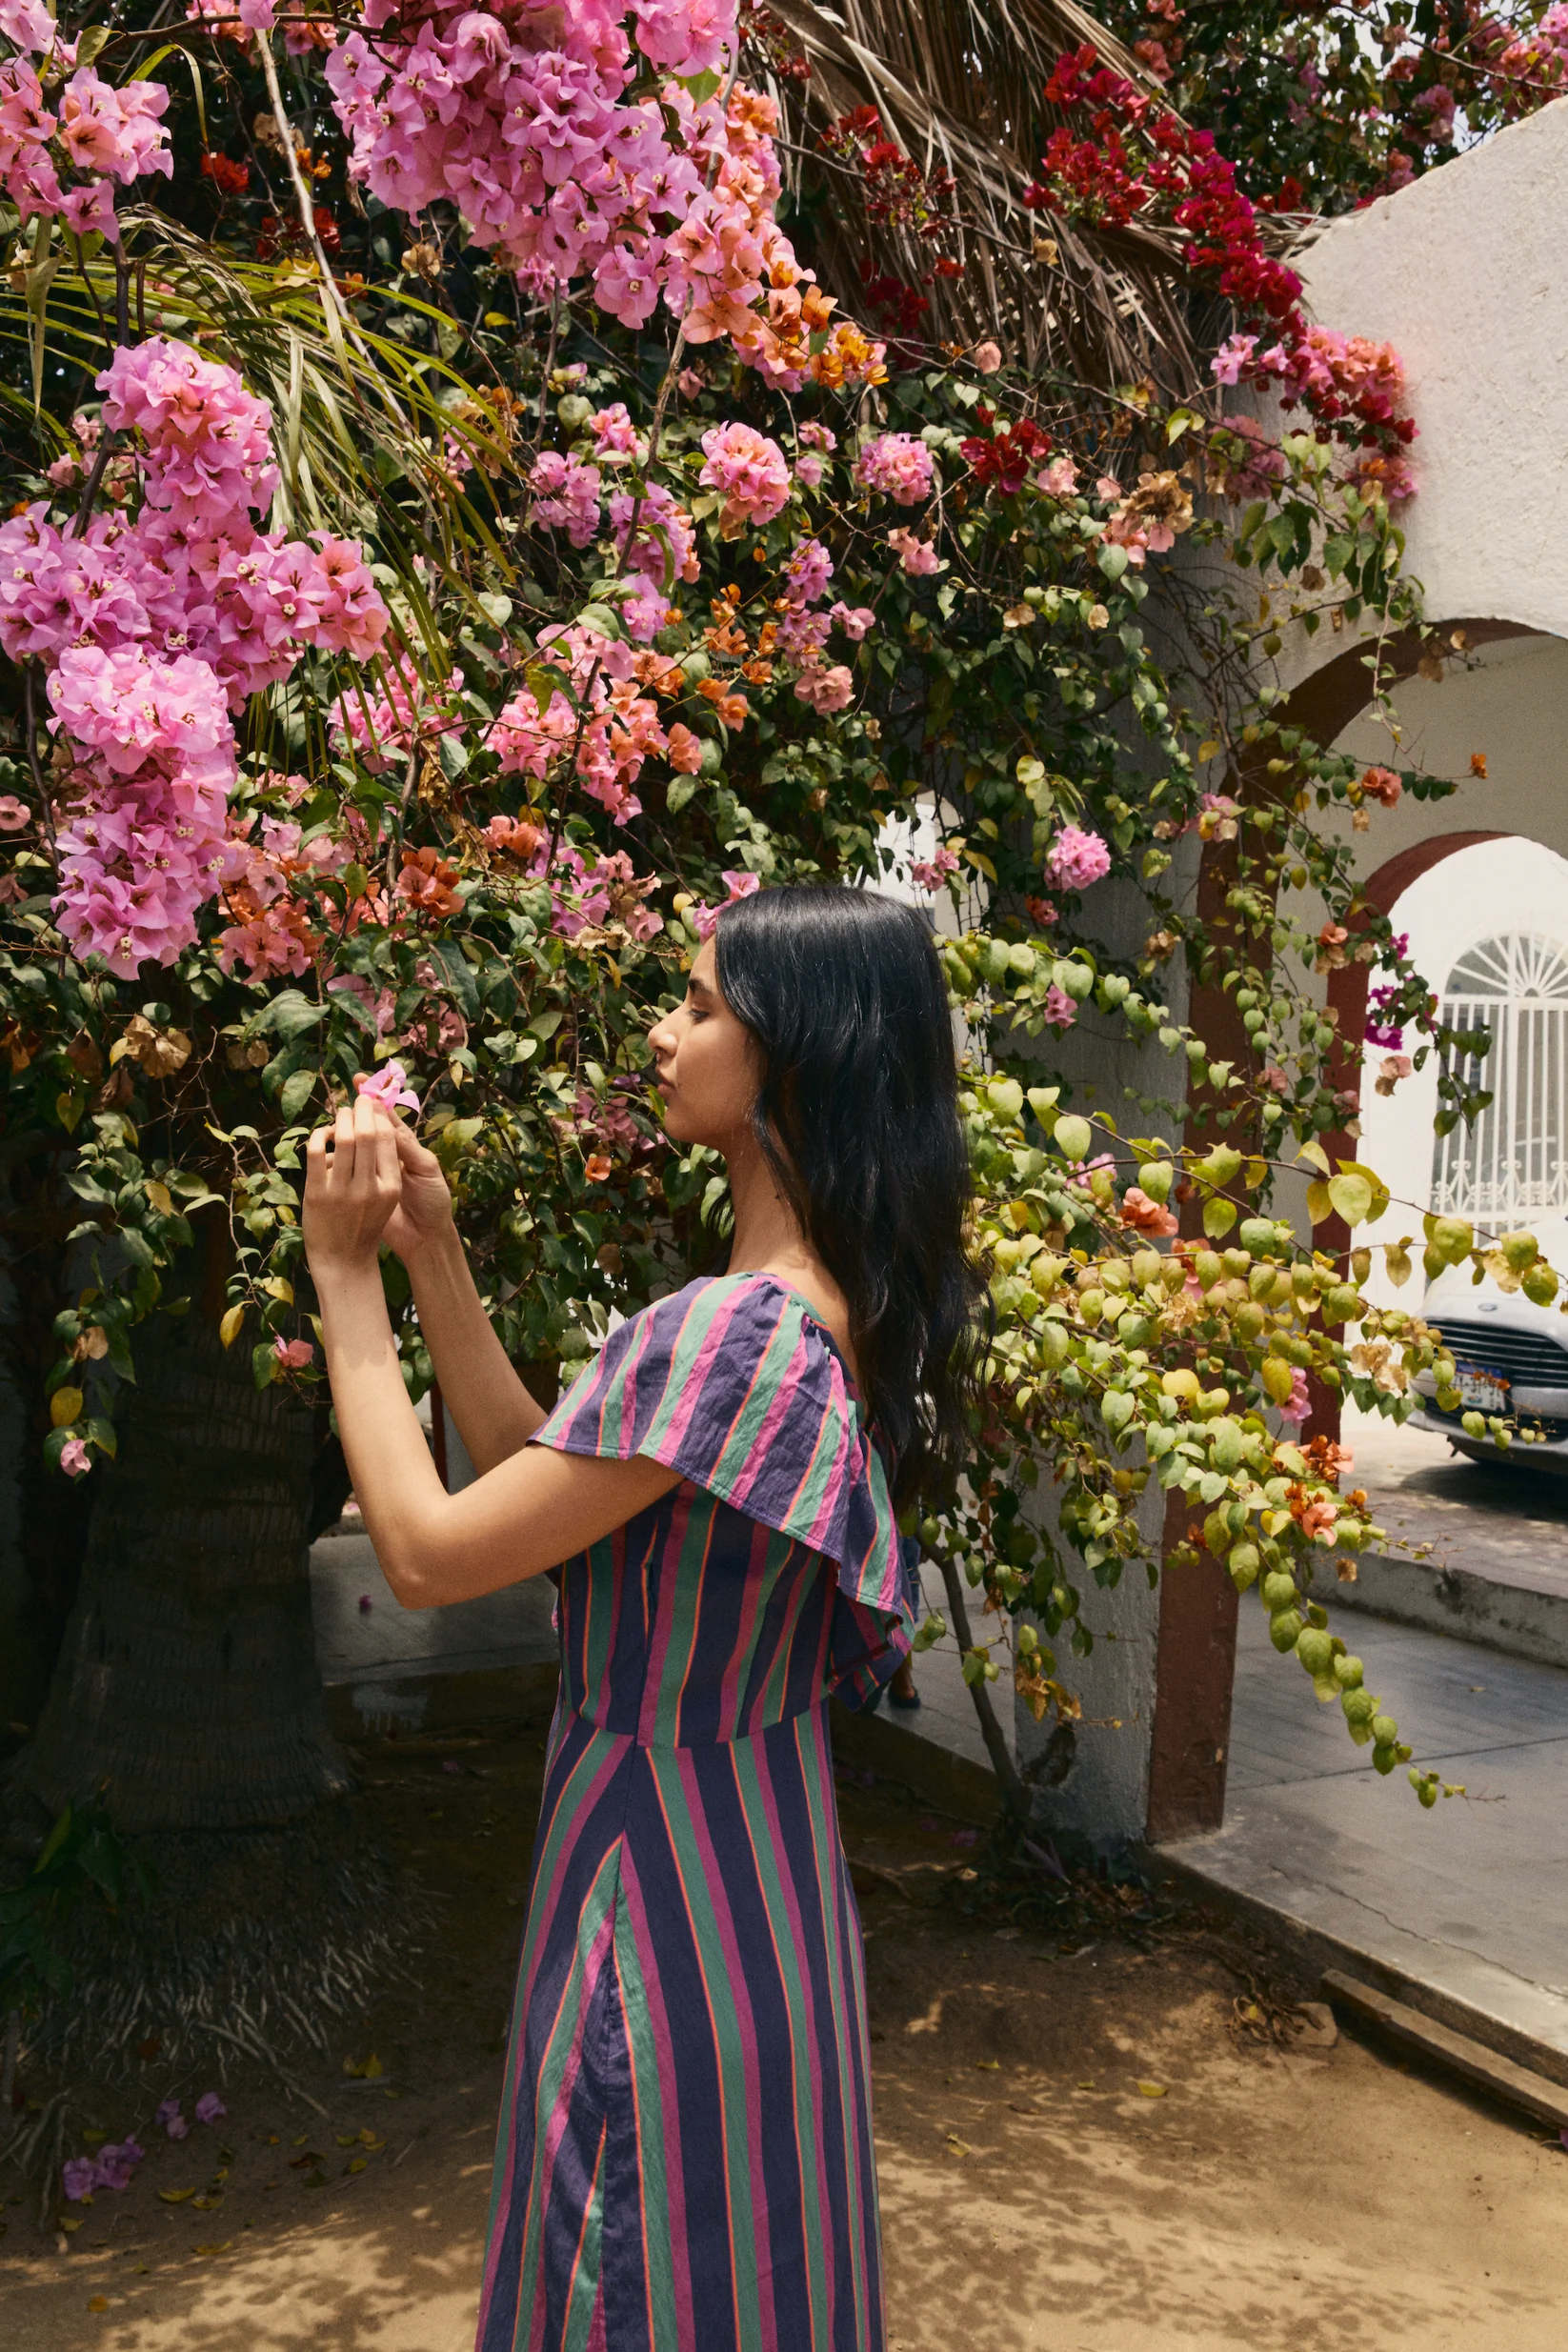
column 529, row 1513
column 494, row 1414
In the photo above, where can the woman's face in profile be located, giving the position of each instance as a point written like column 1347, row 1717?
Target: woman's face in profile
column 706, row 1062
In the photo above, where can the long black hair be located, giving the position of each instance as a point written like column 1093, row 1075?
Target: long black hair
column 857, row 1116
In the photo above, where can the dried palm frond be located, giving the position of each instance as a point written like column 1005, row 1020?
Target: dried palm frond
column 959, row 87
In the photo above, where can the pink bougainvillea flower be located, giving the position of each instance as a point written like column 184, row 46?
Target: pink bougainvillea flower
column 387, row 1086
column 14, row 814
column 918, row 557
column 749, row 469
column 899, row 465
column 987, row 357
column 826, row 690
column 1077, row 858
column 210, row 2106
column 930, row 872
column 294, row 1355
column 1295, row 1412
column 75, row 1460
column 739, row 886
column 1394, row 1068
column 1058, row 1008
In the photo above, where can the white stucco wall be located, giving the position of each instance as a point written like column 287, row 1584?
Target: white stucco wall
column 1466, row 274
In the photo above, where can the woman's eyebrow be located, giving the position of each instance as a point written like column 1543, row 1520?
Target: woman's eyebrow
column 695, row 987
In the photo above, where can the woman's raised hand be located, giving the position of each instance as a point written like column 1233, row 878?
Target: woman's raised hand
column 353, row 1188
column 422, row 1219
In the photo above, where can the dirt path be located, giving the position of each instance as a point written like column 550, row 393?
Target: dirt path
column 1035, row 2197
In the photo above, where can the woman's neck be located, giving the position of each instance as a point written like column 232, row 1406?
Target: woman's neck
column 768, row 1239
column 767, row 1233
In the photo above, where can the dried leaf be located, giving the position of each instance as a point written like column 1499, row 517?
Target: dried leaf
column 175, row 2197
column 1153, row 2090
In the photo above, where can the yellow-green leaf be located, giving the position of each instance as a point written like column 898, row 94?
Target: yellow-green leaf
column 228, row 1329
column 1351, row 1195
column 64, row 1406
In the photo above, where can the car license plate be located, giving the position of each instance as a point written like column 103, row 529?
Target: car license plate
column 1481, row 1392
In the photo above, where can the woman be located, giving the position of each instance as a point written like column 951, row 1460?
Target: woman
column 685, row 2156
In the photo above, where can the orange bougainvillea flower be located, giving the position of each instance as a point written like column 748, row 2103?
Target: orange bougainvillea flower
column 1145, row 1215
column 427, row 881
column 1477, row 765
column 597, row 1168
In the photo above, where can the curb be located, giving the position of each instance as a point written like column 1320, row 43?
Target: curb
column 1316, row 1952
column 1523, row 1619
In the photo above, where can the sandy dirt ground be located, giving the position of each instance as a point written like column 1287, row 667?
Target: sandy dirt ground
column 1084, row 2145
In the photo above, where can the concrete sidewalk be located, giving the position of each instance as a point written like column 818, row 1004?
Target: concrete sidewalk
column 1463, row 1909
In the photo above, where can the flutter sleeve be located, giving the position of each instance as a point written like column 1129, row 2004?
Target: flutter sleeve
column 730, row 1383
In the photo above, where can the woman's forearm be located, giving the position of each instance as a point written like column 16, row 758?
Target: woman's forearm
column 528, row 1515
column 395, row 1481
column 494, row 1412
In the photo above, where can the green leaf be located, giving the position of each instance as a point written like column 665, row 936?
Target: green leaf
column 680, row 791
column 1219, row 1217
column 295, row 1092
column 288, row 1016
column 459, row 973
column 1351, row 1194
column 264, row 1364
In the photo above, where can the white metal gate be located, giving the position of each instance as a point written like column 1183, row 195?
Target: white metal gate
column 1512, row 1165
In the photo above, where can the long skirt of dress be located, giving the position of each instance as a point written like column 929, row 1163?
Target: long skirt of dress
column 685, row 2160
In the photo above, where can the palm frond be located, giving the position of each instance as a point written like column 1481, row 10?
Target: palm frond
column 361, row 418
column 958, row 85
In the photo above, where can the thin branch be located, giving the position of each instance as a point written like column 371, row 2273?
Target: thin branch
column 1015, row 1795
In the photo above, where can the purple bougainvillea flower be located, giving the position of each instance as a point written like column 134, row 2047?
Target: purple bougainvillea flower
column 174, row 2123
column 118, row 2160
column 79, row 2176
column 365, row 1603
column 209, row 2108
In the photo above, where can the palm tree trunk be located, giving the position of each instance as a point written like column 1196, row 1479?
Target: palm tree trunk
column 186, row 1688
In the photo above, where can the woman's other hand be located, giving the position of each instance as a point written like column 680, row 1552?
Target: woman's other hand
column 422, row 1220
column 353, row 1190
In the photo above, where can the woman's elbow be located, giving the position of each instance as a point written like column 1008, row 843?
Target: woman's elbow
column 410, row 1561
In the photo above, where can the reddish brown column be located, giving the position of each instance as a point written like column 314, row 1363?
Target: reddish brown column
column 1195, row 1666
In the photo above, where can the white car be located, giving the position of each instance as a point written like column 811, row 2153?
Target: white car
column 1512, row 1356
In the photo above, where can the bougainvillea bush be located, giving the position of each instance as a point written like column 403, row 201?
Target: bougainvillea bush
column 455, row 545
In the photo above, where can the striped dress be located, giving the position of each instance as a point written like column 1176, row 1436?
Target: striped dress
column 684, row 2161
